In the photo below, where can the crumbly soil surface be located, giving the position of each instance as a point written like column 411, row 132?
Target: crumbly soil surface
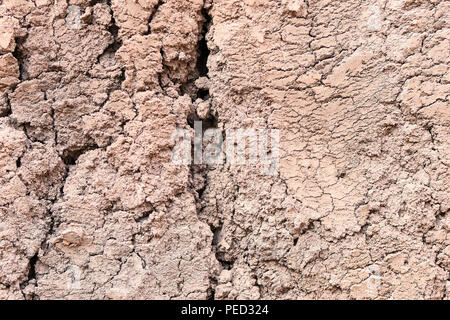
column 92, row 208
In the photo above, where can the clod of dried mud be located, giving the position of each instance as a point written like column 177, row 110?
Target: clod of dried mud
column 91, row 92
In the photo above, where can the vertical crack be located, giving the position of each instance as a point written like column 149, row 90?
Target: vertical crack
column 202, row 47
column 6, row 112
column 31, row 277
column 155, row 9
column 19, row 57
column 113, row 29
column 32, row 267
column 201, row 170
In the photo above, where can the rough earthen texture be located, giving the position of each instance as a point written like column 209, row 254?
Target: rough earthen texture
column 88, row 103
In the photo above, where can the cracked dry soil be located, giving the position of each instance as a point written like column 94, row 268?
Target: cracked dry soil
column 91, row 92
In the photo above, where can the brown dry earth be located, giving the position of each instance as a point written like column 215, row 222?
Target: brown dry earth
column 88, row 103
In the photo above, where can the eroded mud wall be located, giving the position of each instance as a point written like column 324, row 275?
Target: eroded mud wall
column 92, row 207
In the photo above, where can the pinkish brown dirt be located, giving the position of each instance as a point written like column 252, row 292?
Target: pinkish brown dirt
column 92, row 208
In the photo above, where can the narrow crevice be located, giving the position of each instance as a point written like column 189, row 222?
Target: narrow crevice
column 26, row 127
column 191, row 118
column 52, row 115
column 226, row 264
column 6, row 285
column 342, row 175
column 70, row 157
column 144, row 216
column 216, row 234
column 210, row 122
column 19, row 57
column 202, row 71
column 31, row 275
column 160, row 75
column 8, row 111
column 94, row 2
column 45, row 245
column 115, row 45
column 121, row 78
column 143, row 262
column 202, row 190
column 211, row 293
column 32, row 267
column 202, row 46
column 19, row 162
column 61, row 192
column 113, row 29
column 203, row 94
column 430, row 130
column 152, row 15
